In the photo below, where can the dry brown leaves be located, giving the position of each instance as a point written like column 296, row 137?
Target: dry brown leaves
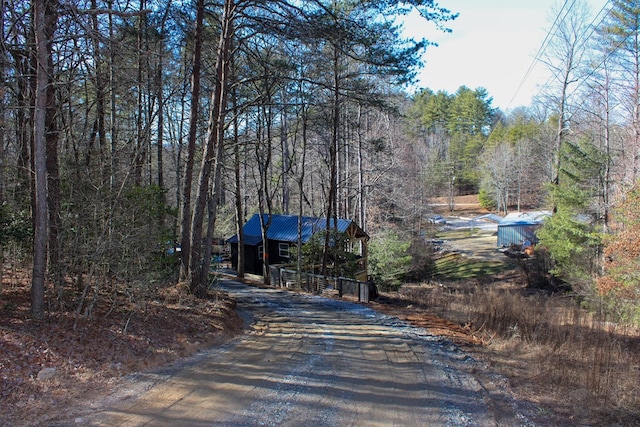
column 45, row 366
column 419, row 316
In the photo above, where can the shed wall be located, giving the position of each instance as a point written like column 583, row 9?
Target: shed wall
column 517, row 234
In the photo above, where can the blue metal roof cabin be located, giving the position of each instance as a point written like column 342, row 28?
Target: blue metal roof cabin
column 282, row 234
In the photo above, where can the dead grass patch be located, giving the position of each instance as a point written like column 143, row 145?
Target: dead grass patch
column 582, row 368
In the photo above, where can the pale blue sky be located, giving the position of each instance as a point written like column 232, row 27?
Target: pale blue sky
column 492, row 45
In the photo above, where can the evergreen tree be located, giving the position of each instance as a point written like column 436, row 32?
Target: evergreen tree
column 620, row 38
column 572, row 235
column 455, row 129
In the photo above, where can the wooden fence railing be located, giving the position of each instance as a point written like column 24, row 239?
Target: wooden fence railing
column 281, row 277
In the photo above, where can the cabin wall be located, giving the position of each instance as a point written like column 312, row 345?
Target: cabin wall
column 252, row 261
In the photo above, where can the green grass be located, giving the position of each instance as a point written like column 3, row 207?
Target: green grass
column 463, row 236
column 452, row 267
column 458, row 234
column 456, row 267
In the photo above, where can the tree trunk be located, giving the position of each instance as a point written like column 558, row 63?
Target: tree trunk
column 42, row 28
column 160, row 99
column 213, row 203
column 100, row 95
column 362, row 191
column 160, row 140
column 52, row 170
column 285, row 162
column 140, row 151
column 361, row 177
column 606, row 184
column 214, row 148
column 2, row 125
column 301, row 191
column 53, row 178
column 185, row 225
column 113, row 114
column 239, row 188
column 263, row 149
column 333, row 159
column 239, row 214
column 265, row 249
column 636, row 104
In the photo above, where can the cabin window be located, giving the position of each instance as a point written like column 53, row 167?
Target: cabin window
column 260, row 252
column 283, row 250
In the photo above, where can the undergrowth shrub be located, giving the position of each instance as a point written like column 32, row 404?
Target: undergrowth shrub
column 389, row 260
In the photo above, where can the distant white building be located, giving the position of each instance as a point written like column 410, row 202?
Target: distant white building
column 489, row 218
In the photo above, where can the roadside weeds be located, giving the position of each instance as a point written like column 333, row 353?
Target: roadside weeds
column 555, row 354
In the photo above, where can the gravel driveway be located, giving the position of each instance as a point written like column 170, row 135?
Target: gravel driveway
column 311, row 361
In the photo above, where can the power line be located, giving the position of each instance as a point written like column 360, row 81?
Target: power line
column 542, row 47
column 609, row 54
column 591, row 28
column 561, row 16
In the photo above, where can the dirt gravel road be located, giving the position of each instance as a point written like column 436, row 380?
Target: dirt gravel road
column 311, row 361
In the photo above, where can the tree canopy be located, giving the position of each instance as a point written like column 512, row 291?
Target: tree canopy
column 130, row 127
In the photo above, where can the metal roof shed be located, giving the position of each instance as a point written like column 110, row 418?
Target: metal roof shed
column 518, row 228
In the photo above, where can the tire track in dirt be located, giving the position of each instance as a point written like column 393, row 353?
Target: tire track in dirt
column 308, row 360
